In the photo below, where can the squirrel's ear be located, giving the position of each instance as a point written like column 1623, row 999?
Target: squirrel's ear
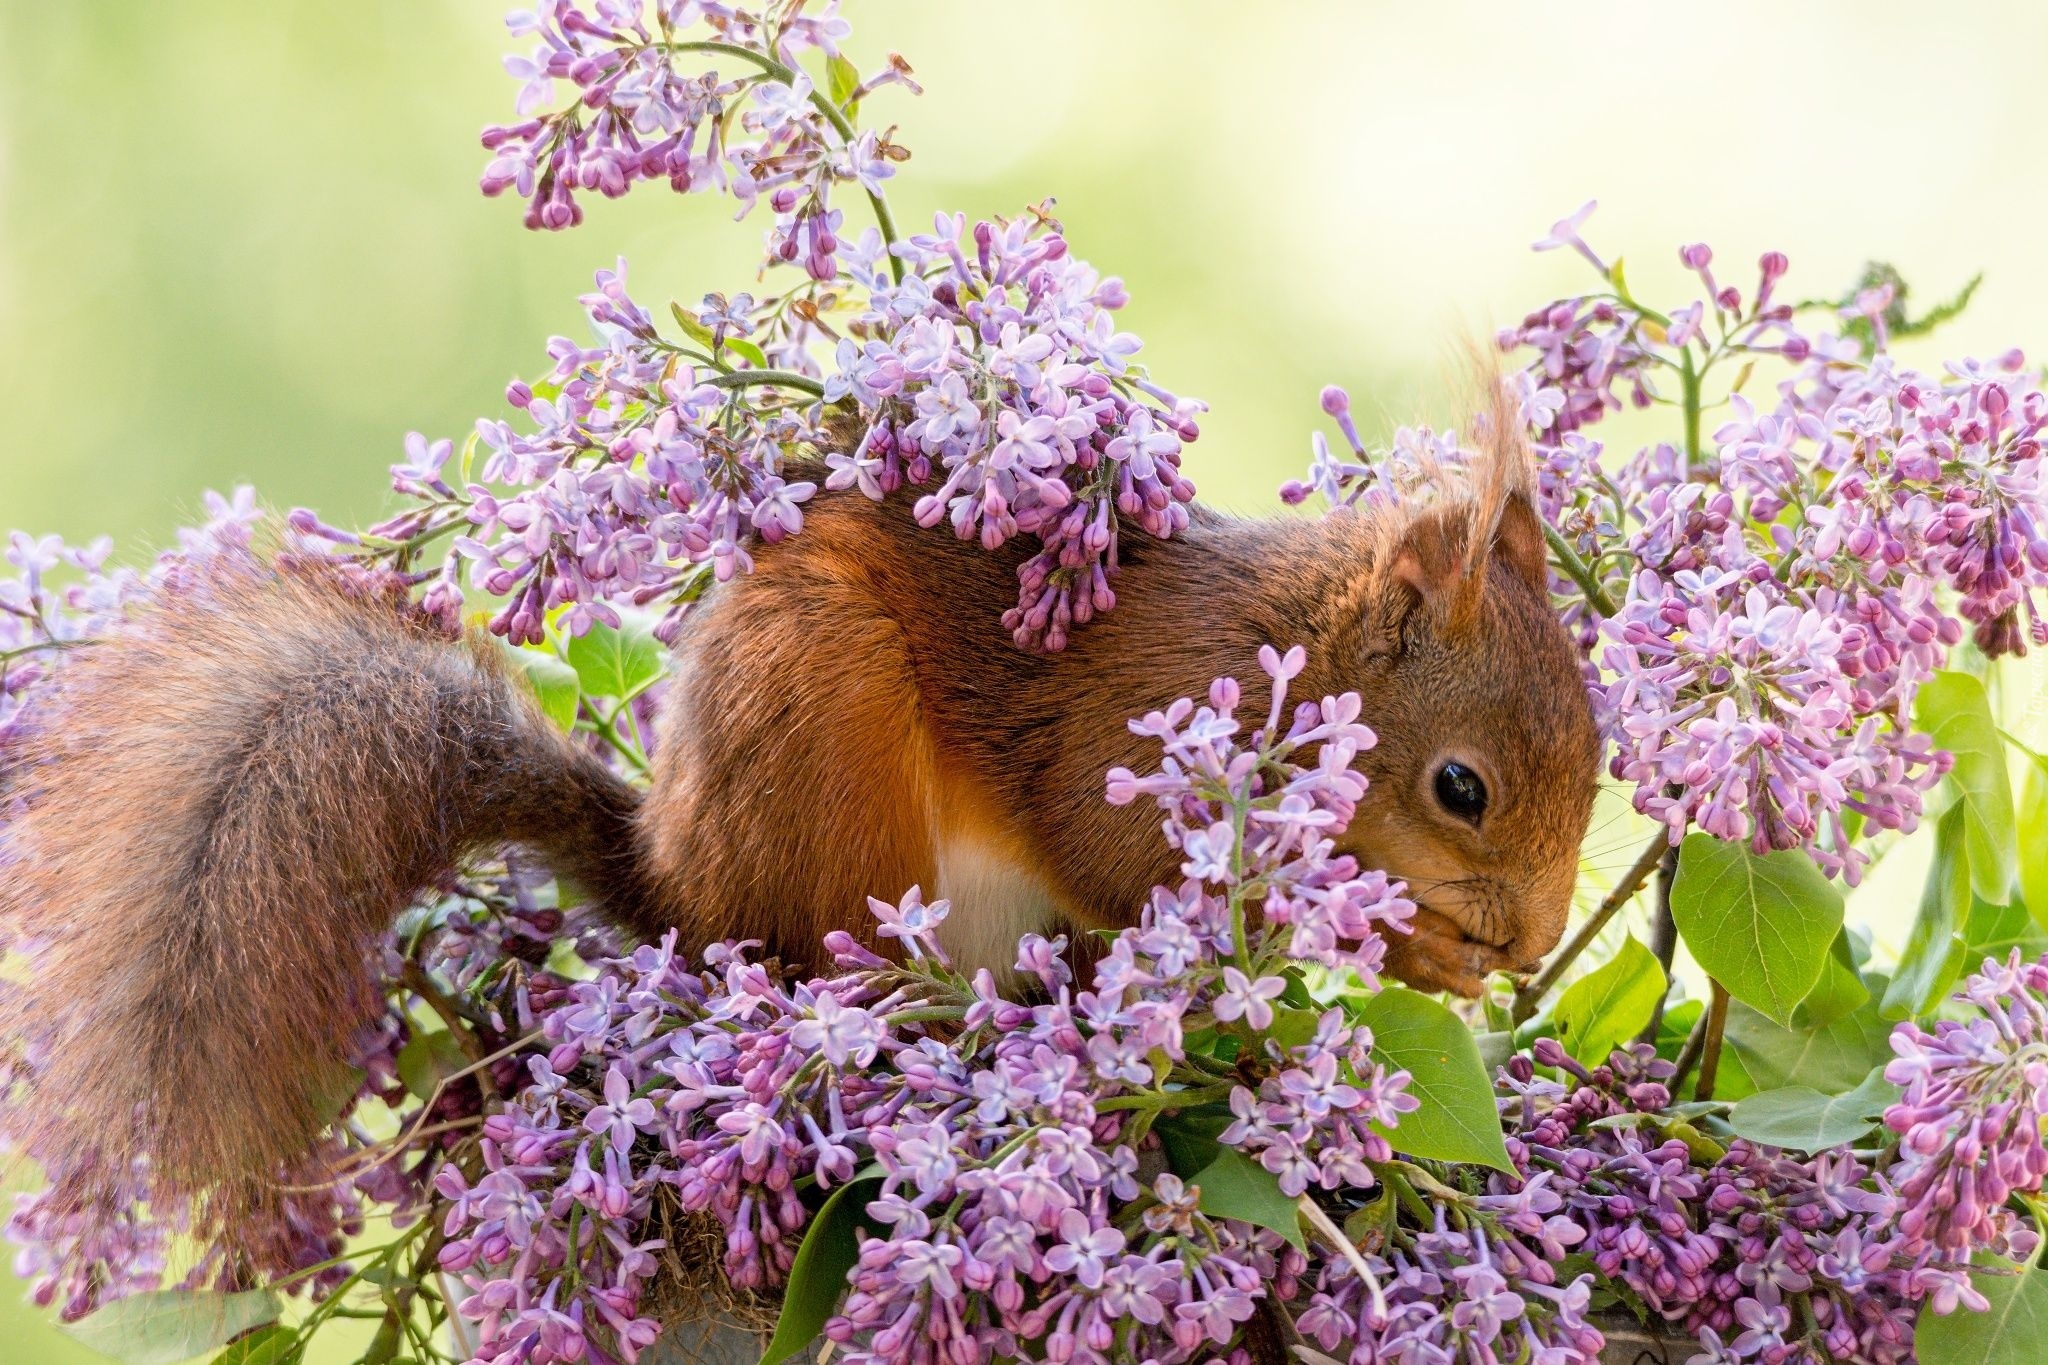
column 1514, row 539
column 1424, row 564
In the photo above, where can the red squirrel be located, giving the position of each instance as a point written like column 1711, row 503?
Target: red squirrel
column 234, row 795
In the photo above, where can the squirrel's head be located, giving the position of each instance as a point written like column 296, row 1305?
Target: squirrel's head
column 1483, row 779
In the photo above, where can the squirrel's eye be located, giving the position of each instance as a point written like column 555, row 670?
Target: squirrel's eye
column 1461, row 791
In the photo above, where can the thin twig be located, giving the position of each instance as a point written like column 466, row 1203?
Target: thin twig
column 1526, row 998
column 1663, row 942
column 1710, row 1052
column 1689, row 1055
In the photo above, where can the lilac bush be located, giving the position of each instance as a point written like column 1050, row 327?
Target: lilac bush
column 1235, row 1140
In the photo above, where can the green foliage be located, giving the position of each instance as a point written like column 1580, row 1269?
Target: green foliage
column 1831, row 1060
column 553, row 683
column 173, row 1324
column 817, row 1278
column 1935, row 951
column 1839, row 990
column 842, row 78
column 273, row 1345
column 2033, row 838
column 427, row 1059
column 1189, row 1137
column 1609, row 1004
column 1761, row 925
column 2010, row 1332
column 1457, row 1120
column 1996, row 930
column 1232, row 1185
column 621, row 662
column 1805, row 1120
column 1956, row 714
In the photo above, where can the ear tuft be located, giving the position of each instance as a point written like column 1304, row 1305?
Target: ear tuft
column 1505, row 523
column 1438, row 557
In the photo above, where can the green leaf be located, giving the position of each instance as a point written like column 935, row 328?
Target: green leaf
column 2033, row 839
column 1956, row 714
column 1457, row 1120
column 1495, row 1046
column 429, row 1058
column 1760, row 924
column 747, row 351
column 172, row 1325
column 1831, row 1059
column 1189, row 1137
column 1935, row 953
column 1293, row 1028
column 1996, row 930
column 841, row 79
column 1805, row 1120
column 1232, row 1185
column 272, row 1345
column 817, row 1278
column 552, row 682
column 617, row 662
column 1674, row 1027
column 2009, row 1332
column 1610, row 1004
column 1839, row 990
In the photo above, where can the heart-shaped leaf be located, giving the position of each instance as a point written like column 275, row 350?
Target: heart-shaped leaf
column 1805, row 1120
column 1457, row 1119
column 427, row 1059
column 621, row 661
column 1609, row 1004
column 1760, row 924
column 817, row 1278
column 1831, row 1059
column 1232, row 1185
column 1956, row 714
column 2009, row 1332
column 552, row 682
column 270, row 1346
column 172, row 1325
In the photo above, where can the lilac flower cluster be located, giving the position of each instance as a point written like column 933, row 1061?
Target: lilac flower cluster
column 647, row 108
column 997, row 368
column 1761, row 1255
column 1969, row 1123
column 1000, row 1145
column 984, row 361
column 999, row 375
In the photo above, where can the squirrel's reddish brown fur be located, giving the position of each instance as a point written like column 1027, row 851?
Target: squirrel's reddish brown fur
column 225, row 804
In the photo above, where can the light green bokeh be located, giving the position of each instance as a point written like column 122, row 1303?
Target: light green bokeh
column 242, row 243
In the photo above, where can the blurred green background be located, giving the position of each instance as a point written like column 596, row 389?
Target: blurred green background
column 243, row 243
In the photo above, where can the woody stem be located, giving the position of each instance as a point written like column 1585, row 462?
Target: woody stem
column 1714, row 1025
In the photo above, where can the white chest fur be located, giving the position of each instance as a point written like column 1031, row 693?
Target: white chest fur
column 997, row 900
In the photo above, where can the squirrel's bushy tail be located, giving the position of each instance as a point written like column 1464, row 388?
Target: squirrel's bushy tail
column 215, row 813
